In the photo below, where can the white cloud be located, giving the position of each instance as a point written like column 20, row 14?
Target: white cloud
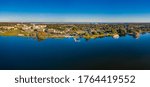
column 10, row 17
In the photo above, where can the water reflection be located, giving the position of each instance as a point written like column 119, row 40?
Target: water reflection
column 116, row 36
column 64, row 53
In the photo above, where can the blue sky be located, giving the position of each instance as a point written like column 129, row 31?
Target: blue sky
column 75, row 10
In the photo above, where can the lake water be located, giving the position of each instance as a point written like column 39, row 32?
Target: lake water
column 101, row 53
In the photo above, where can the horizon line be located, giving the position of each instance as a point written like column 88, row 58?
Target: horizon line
column 71, row 22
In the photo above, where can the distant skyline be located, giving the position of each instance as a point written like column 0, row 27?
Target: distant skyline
column 74, row 11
